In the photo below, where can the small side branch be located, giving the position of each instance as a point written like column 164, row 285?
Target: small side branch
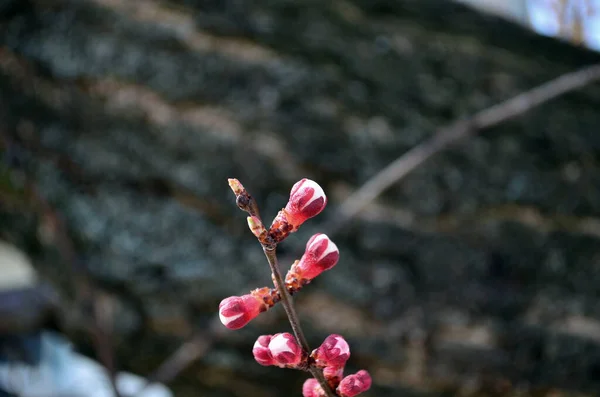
column 452, row 133
column 288, row 305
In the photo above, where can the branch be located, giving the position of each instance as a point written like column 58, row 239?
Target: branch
column 247, row 203
column 452, row 133
column 288, row 305
column 188, row 352
column 286, row 298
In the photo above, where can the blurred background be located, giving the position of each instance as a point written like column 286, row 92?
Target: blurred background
column 121, row 120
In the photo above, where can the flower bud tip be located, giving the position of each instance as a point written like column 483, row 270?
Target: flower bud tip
column 236, row 186
column 285, row 350
column 355, row 384
column 237, row 311
column 333, row 352
column 312, row 388
column 261, row 351
column 321, row 254
column 307, row 199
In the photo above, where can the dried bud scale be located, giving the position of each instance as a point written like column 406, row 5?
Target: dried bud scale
column 280, row 228
column 269, row 296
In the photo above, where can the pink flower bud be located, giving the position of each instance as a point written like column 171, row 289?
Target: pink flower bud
column 353, row 385
column 261, row 351
column 365, row 378
column 236, row 311
column 321, row 254
column 312, row 388
column 307, row 199
column 333, row 352
column 285, row 350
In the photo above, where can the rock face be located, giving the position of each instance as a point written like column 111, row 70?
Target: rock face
column 479, row 272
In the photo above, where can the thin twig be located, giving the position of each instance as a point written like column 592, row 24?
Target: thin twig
column 317, row 373
column 452, row 133
column 288, row 305
column 286, row 298
column 181, row 358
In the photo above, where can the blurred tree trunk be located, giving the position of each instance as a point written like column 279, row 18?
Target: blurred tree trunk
column 479, row 272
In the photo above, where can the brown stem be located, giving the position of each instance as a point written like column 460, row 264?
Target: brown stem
column 286, row 298
column 318, row 375
column 269, row 245
column 288, row 305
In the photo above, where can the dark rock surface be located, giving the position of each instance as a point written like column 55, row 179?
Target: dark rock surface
column 477, row 274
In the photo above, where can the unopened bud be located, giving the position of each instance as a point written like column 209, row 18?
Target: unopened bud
column 365, row 378
column 333, row 352
column 285, row 350
column 261, row 351
column 353, row 385
column 236, row 311
column 321, row 254
column 307, row 199
column 236, row 186
column 312, row 388
column 256, row 226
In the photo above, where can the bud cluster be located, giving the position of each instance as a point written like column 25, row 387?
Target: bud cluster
column 307, row 199
column 321, row 254
column 350, row 386
column 332, row 356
